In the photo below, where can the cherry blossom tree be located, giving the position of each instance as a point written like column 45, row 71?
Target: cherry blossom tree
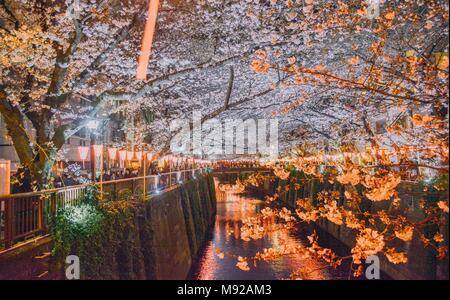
column 394, row 65
column 65, row 62
column 51, row 53
column 299, row 61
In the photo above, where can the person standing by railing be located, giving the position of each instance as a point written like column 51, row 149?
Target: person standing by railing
column 107, row 175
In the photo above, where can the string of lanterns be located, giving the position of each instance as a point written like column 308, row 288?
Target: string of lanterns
column 123, row 156
column 369, row 154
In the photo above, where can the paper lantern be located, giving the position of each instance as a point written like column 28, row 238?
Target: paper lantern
column 123, row 155
column 139, row 155
column 98, row 149
column 130, row 155
column 83, row 152
column 147, row 41
column 112, row 153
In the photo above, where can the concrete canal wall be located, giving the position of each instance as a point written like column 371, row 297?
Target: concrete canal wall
column 161, row 240
column 180, row 220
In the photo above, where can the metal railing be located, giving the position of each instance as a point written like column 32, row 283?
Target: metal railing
column 241, row 170
column 24, row 216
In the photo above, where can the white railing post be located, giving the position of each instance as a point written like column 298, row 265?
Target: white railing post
column 156, row 182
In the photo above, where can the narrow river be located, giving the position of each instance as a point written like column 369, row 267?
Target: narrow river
column 231, row 209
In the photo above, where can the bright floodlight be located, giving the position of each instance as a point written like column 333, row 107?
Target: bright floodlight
column 92, row 124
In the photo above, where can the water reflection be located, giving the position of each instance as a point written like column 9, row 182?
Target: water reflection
column 231, row 209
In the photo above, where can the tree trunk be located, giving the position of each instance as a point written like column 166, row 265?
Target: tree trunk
column 44, row 154
column 37, row 155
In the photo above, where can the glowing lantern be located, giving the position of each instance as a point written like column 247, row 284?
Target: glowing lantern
column 135, row 164
column 98, row 149
column 112, row 153
column 147, row 41
column 83, row 152
column 123, row 155
column 130, row 155
column 139, row 155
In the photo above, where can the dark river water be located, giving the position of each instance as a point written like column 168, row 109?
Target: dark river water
column 231, row 209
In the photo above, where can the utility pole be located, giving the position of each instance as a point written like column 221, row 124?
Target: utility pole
column 93, row 161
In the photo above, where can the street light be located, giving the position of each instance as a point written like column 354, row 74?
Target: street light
column 98, row 152
column 93, row 124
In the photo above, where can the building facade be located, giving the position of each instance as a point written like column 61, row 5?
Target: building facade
column 68, row 154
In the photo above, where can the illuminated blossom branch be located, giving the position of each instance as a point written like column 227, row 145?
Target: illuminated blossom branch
column 356, row 184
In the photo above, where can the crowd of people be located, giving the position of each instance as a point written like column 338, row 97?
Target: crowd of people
column 238, row 164
column 64, row 179
column 68, row 178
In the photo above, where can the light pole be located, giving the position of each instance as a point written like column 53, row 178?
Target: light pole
column 92, row 126
column 98, row 151
column 92, row 156
column 145, row 174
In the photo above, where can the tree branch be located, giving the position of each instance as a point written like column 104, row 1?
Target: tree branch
column 61, row 67
column 11, row 15
column 230, row 87
column 15, row 126
column 121, row 35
